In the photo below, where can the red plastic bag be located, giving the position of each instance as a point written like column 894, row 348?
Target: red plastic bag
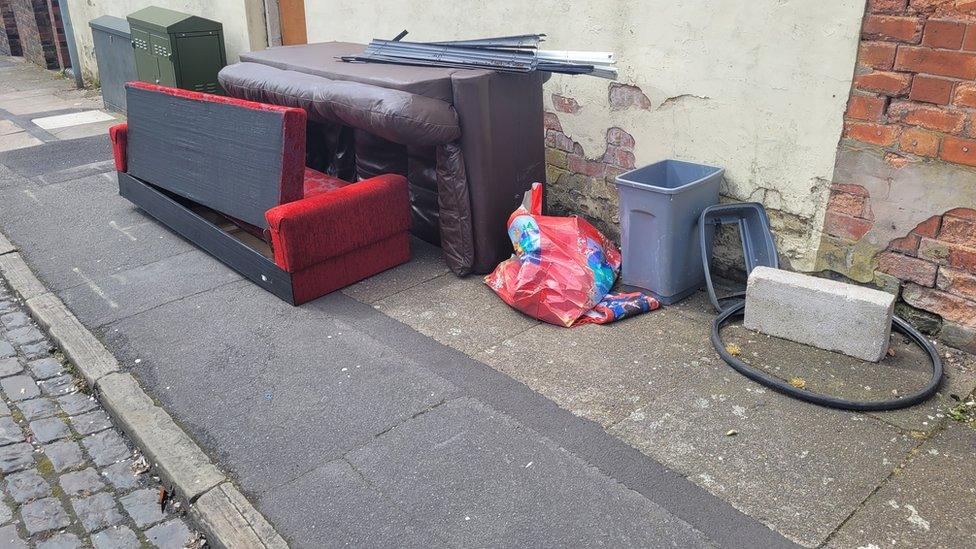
column 562, row 266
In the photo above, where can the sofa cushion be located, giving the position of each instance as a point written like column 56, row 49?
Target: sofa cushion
column 317, row 182
column 394, row 115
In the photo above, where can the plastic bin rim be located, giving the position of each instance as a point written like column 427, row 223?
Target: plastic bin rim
column 622, row 178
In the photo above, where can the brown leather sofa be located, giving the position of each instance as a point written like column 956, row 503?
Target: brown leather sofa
column 470, row 142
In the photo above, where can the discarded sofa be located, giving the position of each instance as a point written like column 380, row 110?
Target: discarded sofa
column 230, row 176
column 468, row 141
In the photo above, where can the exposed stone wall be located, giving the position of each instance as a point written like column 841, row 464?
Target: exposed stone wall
column 582, row 185
column 41, row 32
column 901, row 209
column 9, row 37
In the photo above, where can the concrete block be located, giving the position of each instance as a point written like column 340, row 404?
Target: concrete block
column 823, row 313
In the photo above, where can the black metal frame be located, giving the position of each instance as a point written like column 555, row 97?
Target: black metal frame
column 209, row 237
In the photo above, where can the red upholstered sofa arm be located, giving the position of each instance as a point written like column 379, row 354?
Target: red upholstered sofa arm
column 119, row 134
column 311, row 230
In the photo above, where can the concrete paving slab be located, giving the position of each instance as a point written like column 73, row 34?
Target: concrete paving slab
column 108, row 298
column 97, row 233
column 496, row 480
column 603, row 373
column 47, row 102
column 799, row 468
column 7, row 127
column 347, row 510
column 71, row 119
column 84, row 130
column 905, row 371
column 58, row 156
column 299, row 375
column 929, row 502
column 425, row 264
column 17, row 141
column 460, row 312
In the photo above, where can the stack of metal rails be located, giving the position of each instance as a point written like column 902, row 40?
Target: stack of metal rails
column 506, row 53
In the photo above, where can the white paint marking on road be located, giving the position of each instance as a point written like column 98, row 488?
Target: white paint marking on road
column 72, row 119
column 30, row 194
column 96, row 289
column 123, row 230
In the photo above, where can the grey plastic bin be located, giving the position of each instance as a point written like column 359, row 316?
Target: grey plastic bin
column 659, row 209
column 115, row 58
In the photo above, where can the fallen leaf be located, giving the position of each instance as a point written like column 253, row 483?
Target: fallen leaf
column 798, row 382
column 733, row 349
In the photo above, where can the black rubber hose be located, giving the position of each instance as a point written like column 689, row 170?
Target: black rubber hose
column 824, row 400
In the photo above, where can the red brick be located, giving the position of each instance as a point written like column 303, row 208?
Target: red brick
column 620, row 138
column 559, row 141
column 948, row 306
column 878, row 134
column 565, row 104
column 866, row 107
column 845, row 226
column 930, row 227
column 906, row 245
column 846, row 203
column 886, row 6
column 940, row 62
column 966, row 6
column 965, row 95
column 920, row 142
column 890, row 83
column 931, row 89
column 877, row 55
column 957, row 282
column 902, row 29
column 957, row 230
column 926, row 116
column 624, row 96
column 944, row 34
column 960, row 151
column 964, row 213
column 907, row 268
column 619, row 157
column 578, row 164
column 551, row 122
column 969, row 42
column 850, row 189
column 962, row 258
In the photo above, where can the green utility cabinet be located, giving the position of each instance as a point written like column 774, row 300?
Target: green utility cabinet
column 177, row 49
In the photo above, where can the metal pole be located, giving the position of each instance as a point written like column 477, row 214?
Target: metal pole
column 69, row 37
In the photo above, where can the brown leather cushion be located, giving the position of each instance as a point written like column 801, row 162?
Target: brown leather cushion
column 394, row 115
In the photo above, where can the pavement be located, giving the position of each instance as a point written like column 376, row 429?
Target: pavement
column 415, row 408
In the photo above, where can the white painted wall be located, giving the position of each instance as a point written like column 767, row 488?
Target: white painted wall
column 757, row 86
column 243, row 21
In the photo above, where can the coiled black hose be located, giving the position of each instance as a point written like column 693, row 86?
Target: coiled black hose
column 823, row 400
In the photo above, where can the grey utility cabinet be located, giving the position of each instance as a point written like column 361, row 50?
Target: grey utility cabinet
column 113, row 54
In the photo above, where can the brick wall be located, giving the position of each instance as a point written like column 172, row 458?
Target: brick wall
column 915, row 86
column 579, row 184
column 908, row 153
column 41, row 32
column 10, row 39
